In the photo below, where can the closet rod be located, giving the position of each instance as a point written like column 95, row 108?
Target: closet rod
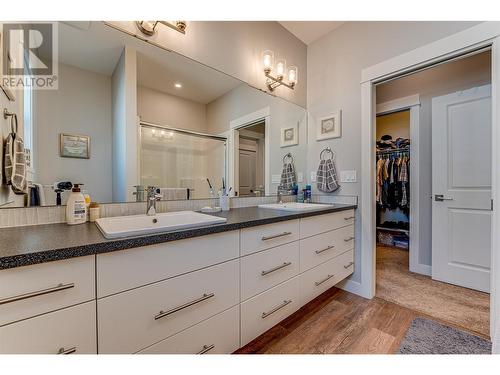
column 392, row 150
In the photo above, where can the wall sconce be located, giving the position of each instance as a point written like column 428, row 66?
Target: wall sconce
column 149, row 27
column 280, row 67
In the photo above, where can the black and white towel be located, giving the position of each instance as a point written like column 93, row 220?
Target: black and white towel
column 15, row 162
column 326, row 176
column 288, row 177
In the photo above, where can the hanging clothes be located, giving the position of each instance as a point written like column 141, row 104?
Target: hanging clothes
column 392, row 176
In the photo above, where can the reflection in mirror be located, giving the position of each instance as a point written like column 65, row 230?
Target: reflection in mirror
column 128, row 114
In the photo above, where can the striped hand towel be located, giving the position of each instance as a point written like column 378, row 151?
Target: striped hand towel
column 326, row 176
column 288, row 178
column 14, row 164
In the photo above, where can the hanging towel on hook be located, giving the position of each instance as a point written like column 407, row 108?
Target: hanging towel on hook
column 326, row 177
column 14, row 160
column 288, row 177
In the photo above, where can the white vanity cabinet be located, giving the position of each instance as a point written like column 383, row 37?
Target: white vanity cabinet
column 208, row 295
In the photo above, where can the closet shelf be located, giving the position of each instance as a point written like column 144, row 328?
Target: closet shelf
column 394, row 230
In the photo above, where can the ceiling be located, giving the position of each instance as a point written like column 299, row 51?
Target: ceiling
column 95, row 47
column 310, row 31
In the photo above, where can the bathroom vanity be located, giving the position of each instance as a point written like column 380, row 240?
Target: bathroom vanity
column 208, row 290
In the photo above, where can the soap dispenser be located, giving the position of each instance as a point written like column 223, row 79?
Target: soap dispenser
column 76, row 208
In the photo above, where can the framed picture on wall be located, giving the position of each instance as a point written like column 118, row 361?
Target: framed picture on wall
column 329, row 126
column 74, row 146
column 289, row 136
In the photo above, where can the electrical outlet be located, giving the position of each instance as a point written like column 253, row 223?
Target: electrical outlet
column 313, row 176
column 300, row 177
column 348, row 176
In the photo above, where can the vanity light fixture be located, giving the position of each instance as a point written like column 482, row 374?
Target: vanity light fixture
column 280, row 72
column 149, row 27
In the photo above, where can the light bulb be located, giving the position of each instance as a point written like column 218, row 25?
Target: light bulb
column 292, row 75
column 267, row 60
column 280, row 68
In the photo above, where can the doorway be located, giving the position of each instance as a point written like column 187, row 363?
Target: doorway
column 251, row 160
column 449, row 277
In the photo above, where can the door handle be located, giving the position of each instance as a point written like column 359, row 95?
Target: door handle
column 441, row 198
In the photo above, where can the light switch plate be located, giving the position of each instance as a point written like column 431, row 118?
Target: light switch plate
column 276, row 178
column 348, row 176
column 300, row 177
column 313, row 176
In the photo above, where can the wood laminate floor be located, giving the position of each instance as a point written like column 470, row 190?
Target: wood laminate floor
column 338, row 322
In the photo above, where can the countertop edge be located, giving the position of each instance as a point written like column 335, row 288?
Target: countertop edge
column 107, row 246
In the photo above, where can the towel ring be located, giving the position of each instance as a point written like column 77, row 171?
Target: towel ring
column 13, row 120
column 289, row 155
column 328, row 150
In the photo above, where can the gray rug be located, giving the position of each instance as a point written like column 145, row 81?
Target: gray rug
column 428, row 337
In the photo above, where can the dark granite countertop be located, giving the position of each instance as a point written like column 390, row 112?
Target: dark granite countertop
column 22, row 246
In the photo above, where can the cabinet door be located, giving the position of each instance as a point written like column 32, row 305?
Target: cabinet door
column 66, row 331
column 41, row 288
column 219, row 334
column 133, row 320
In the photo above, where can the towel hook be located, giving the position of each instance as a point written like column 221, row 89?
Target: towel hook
column 289, row 155
column 13, row 120
column 329, row 150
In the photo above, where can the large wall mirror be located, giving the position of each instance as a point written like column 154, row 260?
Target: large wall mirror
column 128, row 114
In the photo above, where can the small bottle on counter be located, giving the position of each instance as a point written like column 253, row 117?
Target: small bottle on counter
column 94, row 211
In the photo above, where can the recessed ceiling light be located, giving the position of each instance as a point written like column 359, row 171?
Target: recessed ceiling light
column 178, row 85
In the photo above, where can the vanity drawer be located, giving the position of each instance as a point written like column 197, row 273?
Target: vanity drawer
column 268, row 268
column 133, row 320
column 322, row 247
column 266, row 236
column 313, row 225
column 321, row 278
column 265, row 310
column 218, row 335
column 71, row 330
column 124, row 270
column 33, row 290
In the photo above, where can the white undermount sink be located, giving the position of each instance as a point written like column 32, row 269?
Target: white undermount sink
column 296, row 207
column 137, row 225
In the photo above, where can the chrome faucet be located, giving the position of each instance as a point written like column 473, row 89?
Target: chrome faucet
column 153, row 195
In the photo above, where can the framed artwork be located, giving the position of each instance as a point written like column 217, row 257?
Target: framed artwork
column 329, row 126
column 74, row 146
column 6, row 90
column 289, row 136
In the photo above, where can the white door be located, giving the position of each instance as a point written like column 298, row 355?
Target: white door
column 461, row 188
column 247, row 172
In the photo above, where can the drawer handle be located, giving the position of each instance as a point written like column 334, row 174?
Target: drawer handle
column 67, row 351
column 265, row 238
column 285, row 264
column 206, row 348
column 348, row 265
column 285, row 302
column 348, row 239
column 318, row 283
column 348, row 218
column 325, row 249
column 186, row 305
column 37, row 293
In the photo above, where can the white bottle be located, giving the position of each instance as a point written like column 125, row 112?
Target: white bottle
column 76, row 209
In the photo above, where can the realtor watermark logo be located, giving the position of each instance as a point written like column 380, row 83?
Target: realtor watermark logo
column 29, row 55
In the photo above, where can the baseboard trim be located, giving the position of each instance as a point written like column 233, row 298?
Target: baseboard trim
column 352, row 286
column 422, row 269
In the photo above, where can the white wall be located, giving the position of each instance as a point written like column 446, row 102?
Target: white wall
column 444, row 79
column 125, row 128
column 235, row 48
column 81, row 105
column 397, row 125
column 334, row 65
column 169, row 110
column 244, row 100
